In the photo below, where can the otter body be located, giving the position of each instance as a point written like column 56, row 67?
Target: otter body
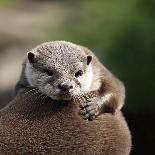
column 66, row 102
column 63, row 71
column 36, row 125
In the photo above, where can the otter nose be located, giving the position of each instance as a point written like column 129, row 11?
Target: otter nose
column 64, row 87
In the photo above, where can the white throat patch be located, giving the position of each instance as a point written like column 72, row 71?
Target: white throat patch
column 87, row 79
column 28, row 73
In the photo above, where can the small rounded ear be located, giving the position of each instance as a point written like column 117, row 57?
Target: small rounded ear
column 30, row 57
column 89, row 59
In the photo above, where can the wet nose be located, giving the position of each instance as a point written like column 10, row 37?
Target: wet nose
column 64, row 87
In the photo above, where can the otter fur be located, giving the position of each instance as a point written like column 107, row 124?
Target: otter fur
column 63, row 71
column 34, row 124
column 60, row 84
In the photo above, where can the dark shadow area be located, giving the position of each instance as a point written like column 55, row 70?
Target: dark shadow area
column 133, row 57
column 5, row 97
column 141, row 124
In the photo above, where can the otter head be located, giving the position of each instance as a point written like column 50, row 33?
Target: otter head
column 59, row 69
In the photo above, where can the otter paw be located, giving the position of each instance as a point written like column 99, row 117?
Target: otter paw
column 89, row 111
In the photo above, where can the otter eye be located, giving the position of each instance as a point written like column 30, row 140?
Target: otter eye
column 49, row 72
column 78, row 73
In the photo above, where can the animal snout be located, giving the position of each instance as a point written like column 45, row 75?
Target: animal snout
column 65, row 87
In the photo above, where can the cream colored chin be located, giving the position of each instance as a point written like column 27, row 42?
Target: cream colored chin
column 53, row 94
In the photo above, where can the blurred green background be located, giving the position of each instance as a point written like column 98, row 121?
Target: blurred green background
column 121, row 33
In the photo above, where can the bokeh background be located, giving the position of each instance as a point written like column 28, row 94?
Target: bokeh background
column 121, row 33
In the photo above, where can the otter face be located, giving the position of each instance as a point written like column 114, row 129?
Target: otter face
column 60, row 70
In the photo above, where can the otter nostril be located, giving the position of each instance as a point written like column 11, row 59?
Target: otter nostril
column 71, row 87
column 64, row 87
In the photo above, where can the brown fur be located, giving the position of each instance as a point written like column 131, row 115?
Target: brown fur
column 33, row 124
column 65, row 57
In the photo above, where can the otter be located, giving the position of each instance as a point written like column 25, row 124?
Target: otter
column 59, row 81
column 64, row 71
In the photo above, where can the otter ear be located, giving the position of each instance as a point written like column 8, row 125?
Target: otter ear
column 30, row 57
column 89, row 59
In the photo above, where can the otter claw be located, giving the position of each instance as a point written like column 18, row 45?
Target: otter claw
column 88, row 101
column 91, row 118
column 85, row 104
column 89, row 111
column 85, row 117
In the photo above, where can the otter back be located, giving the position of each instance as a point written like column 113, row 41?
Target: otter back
column 34, row 124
